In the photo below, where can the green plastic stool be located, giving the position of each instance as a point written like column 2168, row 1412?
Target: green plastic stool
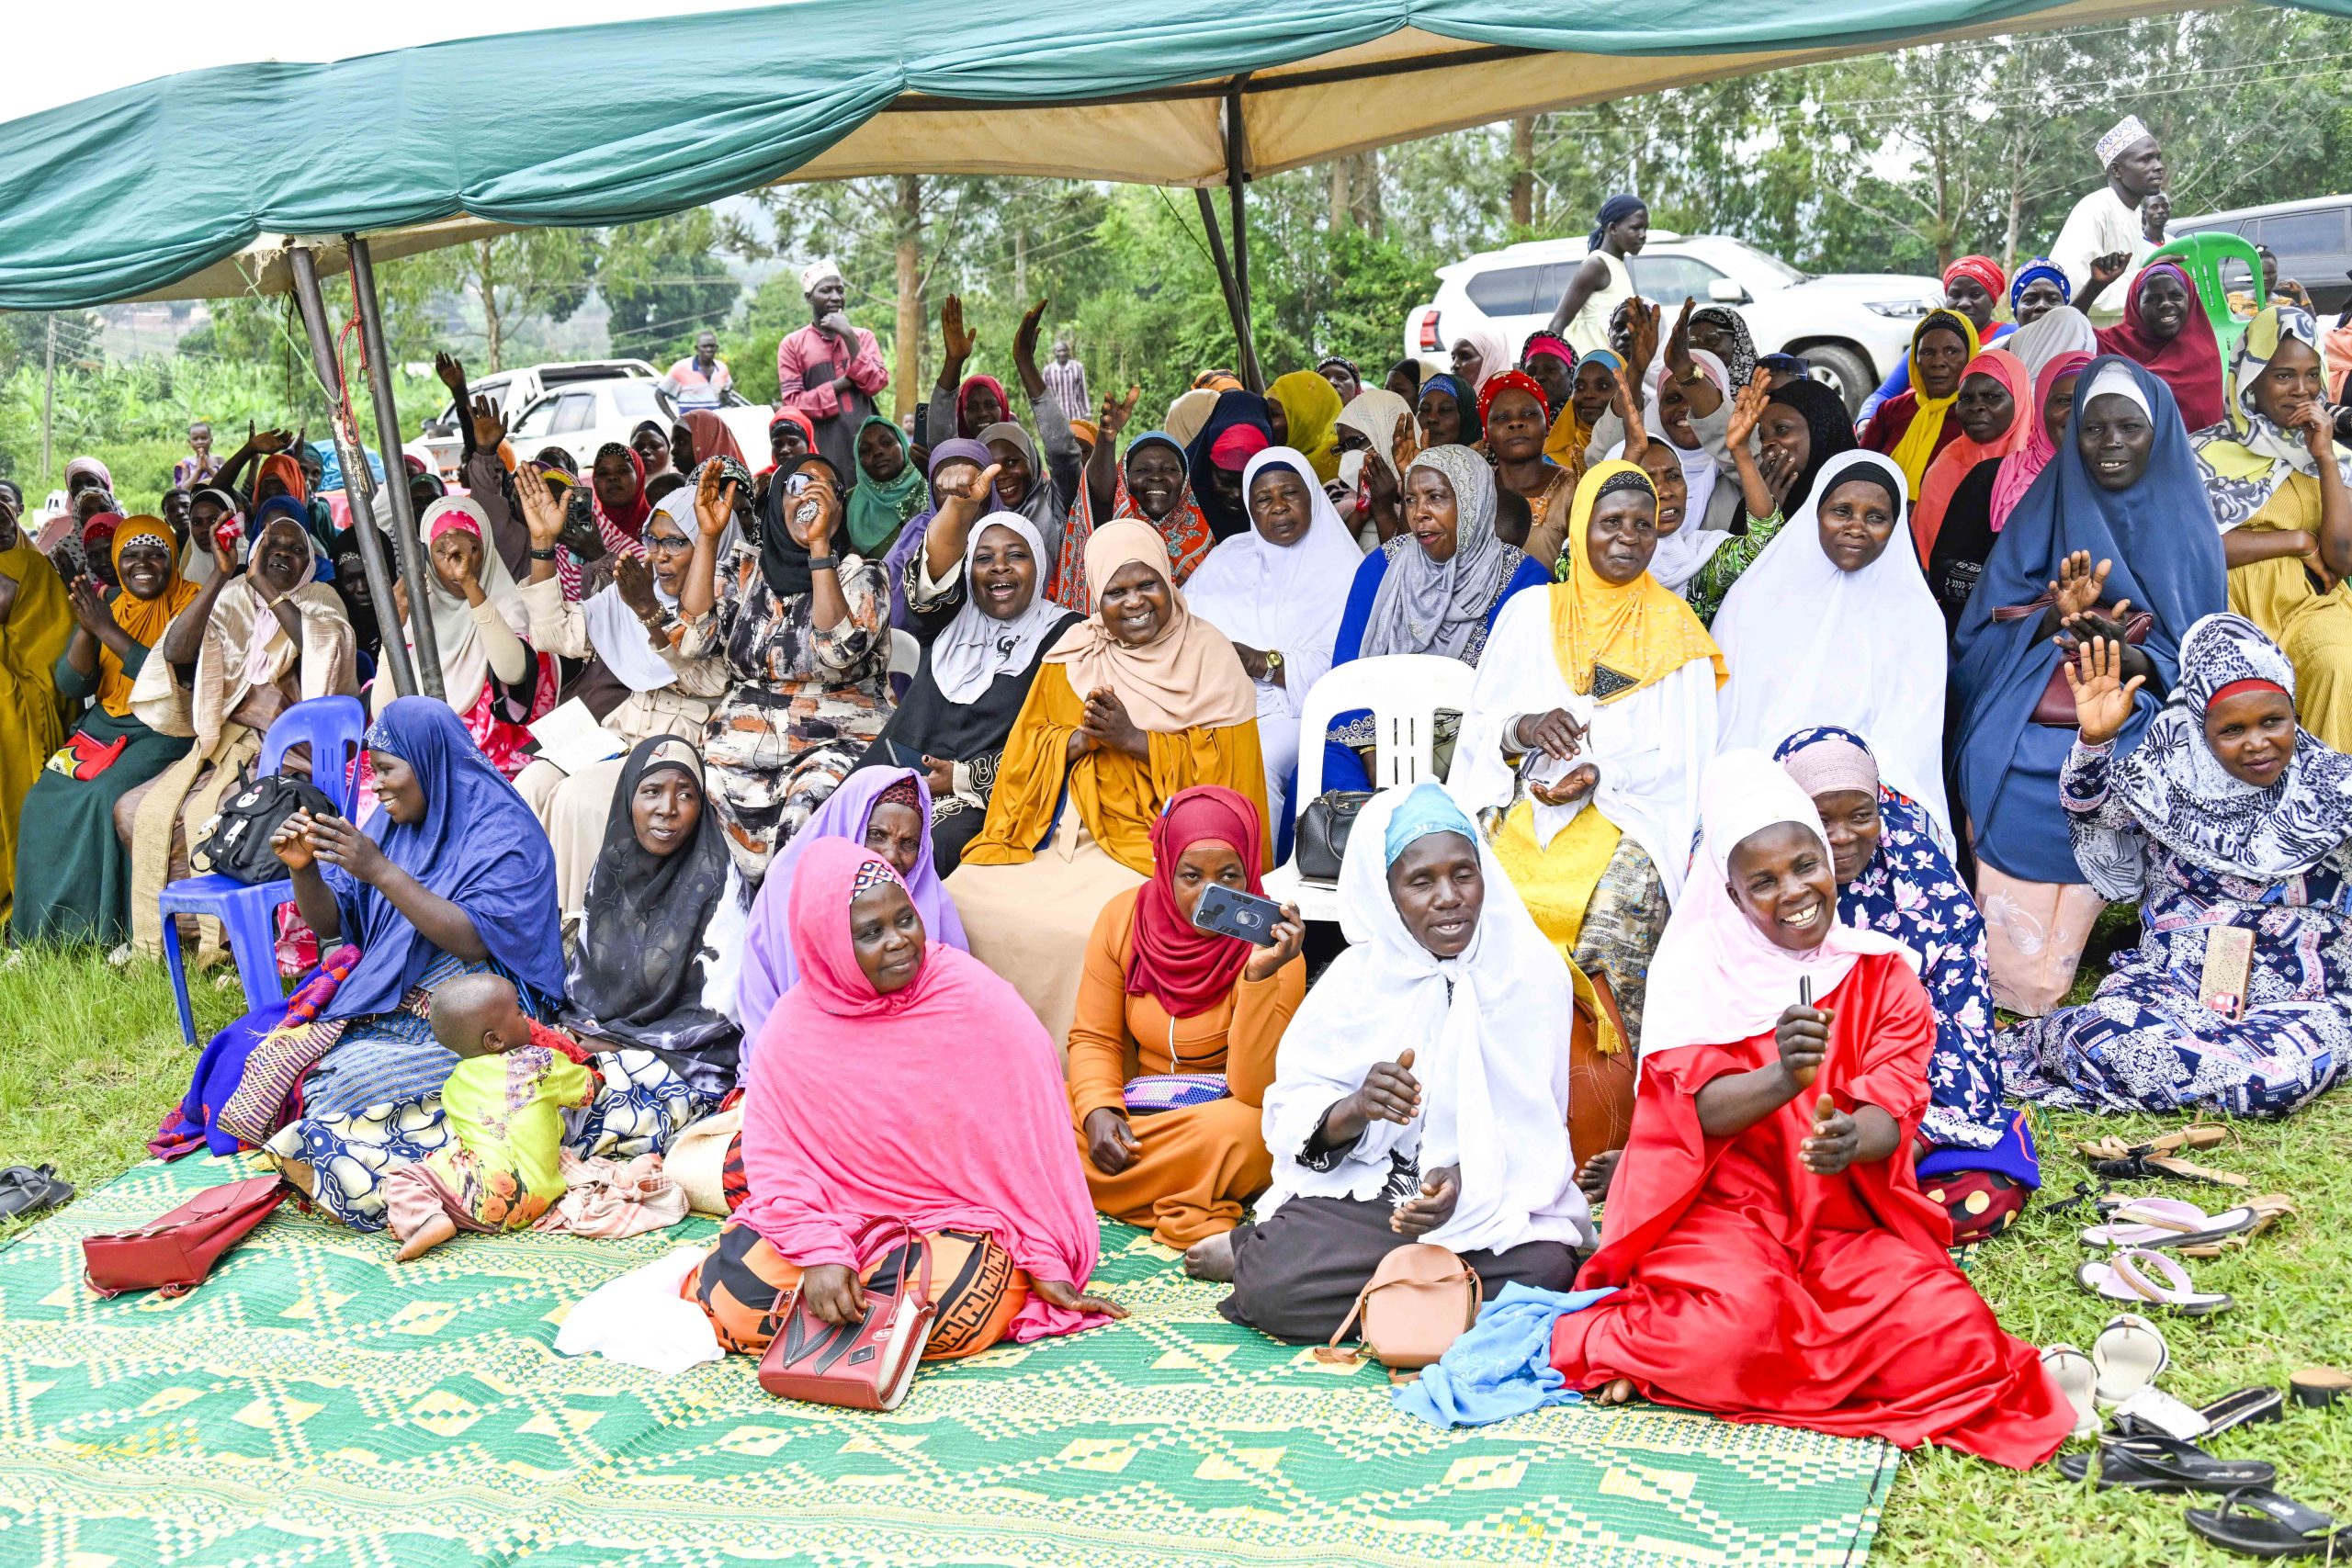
column 2202, row 256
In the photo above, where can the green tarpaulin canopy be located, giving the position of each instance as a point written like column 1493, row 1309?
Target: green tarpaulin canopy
column 188, row 184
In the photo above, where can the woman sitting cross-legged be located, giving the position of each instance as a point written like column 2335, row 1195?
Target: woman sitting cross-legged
column 1422, row 1093
column 1976, row 1155
column 1141, row 701
column 1172, row 1047
column 974, row 590
column 2228, row 826
column 453, row 878
column 1773, row 1257
column 950, row 1117
column 74, row 877
column 662, row 930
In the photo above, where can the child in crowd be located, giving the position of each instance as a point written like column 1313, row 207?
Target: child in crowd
column 504, row 1101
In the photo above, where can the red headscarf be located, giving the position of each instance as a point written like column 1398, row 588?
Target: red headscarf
column 963, row 426
column 2017, row 472
column 2189, row 363
column 1983, row 269
column 1233, row 449
column 1511, row 380
column 1952, row 464
column 1189, row 970
column 955, row 1117
column 713, row 439
column 785, row 416
column 629, row 515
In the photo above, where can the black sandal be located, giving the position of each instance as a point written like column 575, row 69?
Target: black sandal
column 27, row 1189
column 2256, row 1522
column 2156, row 1463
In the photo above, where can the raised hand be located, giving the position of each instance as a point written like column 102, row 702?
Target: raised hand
column 969, row 490
column 1628, row 410
column 2103, row 698
column 809, row 516
column 1117, row 411
column 1803, row 1036
column 1678, row 342
column 542, row 513
column 489, row 425
column 1024, row 340
column 90, row 612
column 957, row 343
column 633, row 580
column 2105, row 269
column 451, row 372
column 1746, row 408
column 2079, row 584
column 1641, row 323
column 714, row 502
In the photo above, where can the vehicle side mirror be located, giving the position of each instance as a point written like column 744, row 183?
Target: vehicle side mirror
column 1724, row 291
column 439, row 427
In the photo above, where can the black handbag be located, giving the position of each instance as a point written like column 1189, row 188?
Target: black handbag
column 236, row 842
column 1323, row 829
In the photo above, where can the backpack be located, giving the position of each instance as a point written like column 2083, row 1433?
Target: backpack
column 236, row 842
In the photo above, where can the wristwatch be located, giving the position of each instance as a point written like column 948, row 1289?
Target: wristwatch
column 1273, row 661
column 543, row 555
column 824, row 563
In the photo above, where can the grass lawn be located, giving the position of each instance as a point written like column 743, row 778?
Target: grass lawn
column 90, row 1057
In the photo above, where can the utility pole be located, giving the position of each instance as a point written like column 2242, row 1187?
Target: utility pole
column 48, row 393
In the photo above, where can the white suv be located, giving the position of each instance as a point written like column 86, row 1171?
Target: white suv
column 1854, row 327
column 580, row 407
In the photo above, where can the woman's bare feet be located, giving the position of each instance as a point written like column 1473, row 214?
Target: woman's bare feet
column 1593, row 1180
column 1619, row 1391
column 429, row 1235
column 1210, row 1259
column 300, row 1173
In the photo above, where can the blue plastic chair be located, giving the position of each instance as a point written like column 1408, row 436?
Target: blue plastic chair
column 331, row 727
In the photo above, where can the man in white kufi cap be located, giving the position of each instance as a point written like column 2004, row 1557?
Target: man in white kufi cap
column 2105, row 234
column 830, row 370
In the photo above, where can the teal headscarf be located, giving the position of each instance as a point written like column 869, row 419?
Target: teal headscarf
column 1428, row 809
column 878, row 511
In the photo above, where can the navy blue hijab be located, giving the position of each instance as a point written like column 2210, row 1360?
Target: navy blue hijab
column 1613, row 211
column 1232, row 409
column 477, row 846
column 2166, row 552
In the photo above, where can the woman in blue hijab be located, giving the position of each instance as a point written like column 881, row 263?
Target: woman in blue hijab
column 2118, row 518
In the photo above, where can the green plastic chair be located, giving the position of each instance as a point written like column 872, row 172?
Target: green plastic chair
column 2202, row 256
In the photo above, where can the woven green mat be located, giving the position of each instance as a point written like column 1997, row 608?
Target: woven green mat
column 315, row 1402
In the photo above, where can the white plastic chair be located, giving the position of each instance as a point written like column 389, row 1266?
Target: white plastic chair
column 1405, row 693
column 906, row 653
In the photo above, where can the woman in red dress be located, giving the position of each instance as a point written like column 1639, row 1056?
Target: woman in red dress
column 1774, row 1256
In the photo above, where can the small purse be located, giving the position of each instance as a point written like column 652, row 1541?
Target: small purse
column 2055, row 706
column 866, row 1365
column 1415, row 1305
column 171, row 1253
column 1323, row 829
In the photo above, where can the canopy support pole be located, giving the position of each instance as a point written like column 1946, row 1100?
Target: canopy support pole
column 1235, row 311
column 1237, row 178
column 407, row 537
column 357, row 483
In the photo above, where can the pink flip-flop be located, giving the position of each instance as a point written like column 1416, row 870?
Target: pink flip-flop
column 2149, row 1279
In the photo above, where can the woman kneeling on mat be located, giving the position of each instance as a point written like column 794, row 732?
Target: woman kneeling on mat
column 1422, row 1093
column 899, row 1079
column 1773, row 1257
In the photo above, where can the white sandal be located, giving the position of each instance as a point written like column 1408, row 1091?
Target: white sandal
column 2169, row 1221
column 2072, row 1374
column 2149, row 1279
column 2129, row 1355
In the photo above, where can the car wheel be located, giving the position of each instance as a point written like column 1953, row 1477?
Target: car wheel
column 1843, row 371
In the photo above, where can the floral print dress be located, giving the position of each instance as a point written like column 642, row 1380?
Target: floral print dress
column 2144, row 1041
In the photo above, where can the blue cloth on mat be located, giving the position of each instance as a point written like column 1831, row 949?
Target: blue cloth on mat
column 1501, row 1366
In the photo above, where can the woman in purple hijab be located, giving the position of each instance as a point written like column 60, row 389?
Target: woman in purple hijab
column 889, row 811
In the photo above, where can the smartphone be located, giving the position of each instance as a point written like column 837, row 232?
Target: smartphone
column 1229, row 911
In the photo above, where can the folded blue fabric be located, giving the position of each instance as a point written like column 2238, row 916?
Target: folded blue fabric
column 1501, row 1366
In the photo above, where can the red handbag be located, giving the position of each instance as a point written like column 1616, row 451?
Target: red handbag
column 171, row 1253
column 2055, row 706
column 867, row 1365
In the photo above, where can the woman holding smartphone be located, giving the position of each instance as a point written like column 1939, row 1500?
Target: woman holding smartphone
column 1172, row 1049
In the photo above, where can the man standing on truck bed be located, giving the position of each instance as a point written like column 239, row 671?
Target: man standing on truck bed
column 830, row 370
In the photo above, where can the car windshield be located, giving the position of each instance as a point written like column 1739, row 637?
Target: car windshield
column 1769, row 262
column 641, row 399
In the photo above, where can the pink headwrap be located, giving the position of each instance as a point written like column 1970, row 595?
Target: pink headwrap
column 2020, row 469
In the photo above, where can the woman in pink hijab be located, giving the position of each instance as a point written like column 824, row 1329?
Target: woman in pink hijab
column 900, row 1078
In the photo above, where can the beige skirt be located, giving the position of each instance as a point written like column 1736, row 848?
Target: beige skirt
column 2034, row 937
column 574, row 809
column 1030, row 923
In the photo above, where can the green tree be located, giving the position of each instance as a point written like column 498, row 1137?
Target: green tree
column 665, row 281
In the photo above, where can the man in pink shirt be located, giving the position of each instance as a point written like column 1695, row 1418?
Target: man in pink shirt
column 830, row 370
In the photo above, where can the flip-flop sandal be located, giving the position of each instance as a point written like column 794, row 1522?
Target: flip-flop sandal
column 2257, row 1522
column 2137, row 1167
column 2072, row 1374
column 2196, row 1135
column 27, row 1189
column 2243, row 1407
column 2164, row 1464
column 2169, row 1221
column 2316, row 1387
column 2149, row 1279
column 2129, row 1355
column 2269, row 1208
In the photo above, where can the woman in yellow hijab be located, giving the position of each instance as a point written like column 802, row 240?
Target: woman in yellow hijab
column 1912, row 426
column 73, row 879
column 34, row 624
column 1306, row 412
column 1593, row 717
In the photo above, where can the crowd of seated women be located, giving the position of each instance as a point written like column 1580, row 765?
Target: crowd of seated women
column 1790, row 754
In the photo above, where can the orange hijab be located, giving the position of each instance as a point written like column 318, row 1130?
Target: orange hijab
column 1952, row 465
column 281, row 467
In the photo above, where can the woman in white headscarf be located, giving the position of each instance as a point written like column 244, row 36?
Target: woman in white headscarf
column 489, row 673
column 1421, row 1090
column 1278, row 591
column 1832, row 625
column 1375, row 421
column 636, row 684
column 2050, row 335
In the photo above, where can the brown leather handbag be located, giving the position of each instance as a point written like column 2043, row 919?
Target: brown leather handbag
column 2055, row 706
column 1416, row 1303
column 172, row 1253
column 866, row 1365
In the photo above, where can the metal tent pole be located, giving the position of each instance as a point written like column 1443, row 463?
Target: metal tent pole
column 359, row 485
column 1234, row 311
column 1237, row 178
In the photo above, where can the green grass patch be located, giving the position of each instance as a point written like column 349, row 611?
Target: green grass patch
column 91, row 1056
